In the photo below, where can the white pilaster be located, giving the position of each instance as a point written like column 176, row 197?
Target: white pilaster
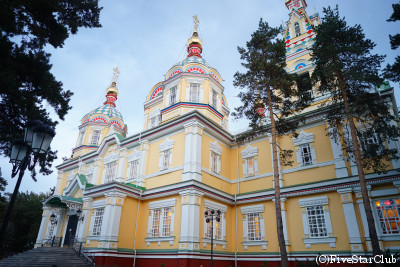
column 83, row 225
column 45, row 217
column 190, row 219
column 351, row 219
column 121, row 165
column 58, row 184
column 96, row 179
column 111, row 219
column 143, row 161
column 192, row 161
column 340, row 164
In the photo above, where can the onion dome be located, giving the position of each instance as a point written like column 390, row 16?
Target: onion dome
column 108, row 113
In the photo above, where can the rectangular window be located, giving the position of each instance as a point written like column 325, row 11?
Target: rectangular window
column 133, row 169
column 306, row 154
column 217, row 227
column 214, row 161
column 110, row 172
column 95, row 137
column 388, row 215
column 173, row 98
column 162, row 222
column 316, row 221
column 82, row 134
column 194, row 92
column 214, row 99
column 155, row 121
column 165, row 159
column 250, row 167
column 253, row 227
column 98, row 221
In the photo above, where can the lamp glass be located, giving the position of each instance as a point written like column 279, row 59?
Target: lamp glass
column 42, row 138
column 18, row 151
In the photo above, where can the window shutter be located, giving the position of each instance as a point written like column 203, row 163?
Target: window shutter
column 313, row 155
column 91, row 221
column 245, row 227
column 170, row 158
column 160, row 161
column 223, row 215
column 218, row 164
column 150, row 224
column 262, row 226
column 298, row 155
column 172, row 220
column 255, row 165
column 244, row 168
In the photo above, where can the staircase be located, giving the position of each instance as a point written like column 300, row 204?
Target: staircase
column 45, row 257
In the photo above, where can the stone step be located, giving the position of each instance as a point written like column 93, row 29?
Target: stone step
column 45, row 256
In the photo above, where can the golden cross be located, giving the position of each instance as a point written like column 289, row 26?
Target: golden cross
column 116, row 74
column 196, row 22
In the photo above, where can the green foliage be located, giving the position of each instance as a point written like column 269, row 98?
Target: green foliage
column 392, row 72
column 343, row 60
column 3, row 184
column 27, row 86
column 22, row 230
column 265, row 60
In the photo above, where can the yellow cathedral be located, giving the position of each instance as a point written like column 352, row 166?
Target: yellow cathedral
column 140, row 200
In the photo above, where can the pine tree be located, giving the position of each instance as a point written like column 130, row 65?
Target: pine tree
column 26, row 82
column 392, row 72
column 266, row 82
column 358, row 115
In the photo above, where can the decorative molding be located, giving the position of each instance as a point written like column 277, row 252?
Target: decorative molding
column 216, row 148
column 313, row 201
column 99, row 204
column 111, row 157
column 303, row 138
column 261, row 243
column 249, row 152
column 215, row 206
column 252, row 209
column 320, row 240
column 168, row 144
column 162, row 203
column 134, row 156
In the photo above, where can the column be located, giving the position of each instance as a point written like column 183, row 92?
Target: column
column 42, row 230
column 111, row 219
column 96, row 172
column 351, row 219
column 58, row 190
column 340, row 164
column 192, row 161
column 121, row 165
column 144, row 146
column 84, row 224
column 190, row 219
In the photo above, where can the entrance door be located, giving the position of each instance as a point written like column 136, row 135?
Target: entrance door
column 71, row 230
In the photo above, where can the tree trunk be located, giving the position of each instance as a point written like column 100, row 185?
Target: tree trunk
column 363, row 183
column 279, row 224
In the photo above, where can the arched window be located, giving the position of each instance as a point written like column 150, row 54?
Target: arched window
column 297, row 29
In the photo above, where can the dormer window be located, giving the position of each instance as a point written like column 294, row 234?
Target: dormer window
column 297, row 31
column 214, row 99
column 95, row 137
column 194, row 92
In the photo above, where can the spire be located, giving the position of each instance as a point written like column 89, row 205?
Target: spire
column 194, row 43
column 112, row 91
column 295, row 4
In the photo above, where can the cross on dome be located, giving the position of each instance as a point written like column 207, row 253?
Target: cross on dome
column 194, row 43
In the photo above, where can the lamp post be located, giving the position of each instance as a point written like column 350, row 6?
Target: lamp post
column 210, row 217
column 24, row 154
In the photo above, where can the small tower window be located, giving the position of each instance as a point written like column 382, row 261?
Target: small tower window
column 173, row 99
column 297, row 31
column 80, row 140
column 214, row 99
column 194, row 92
column 95, row 137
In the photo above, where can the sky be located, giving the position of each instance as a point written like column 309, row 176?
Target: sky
column 144, row 38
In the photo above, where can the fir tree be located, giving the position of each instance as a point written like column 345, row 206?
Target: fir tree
column 27, row 85
column 266, row 82
column 358, row 115
column 392, row 72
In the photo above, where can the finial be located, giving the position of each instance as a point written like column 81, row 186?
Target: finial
column 115, row 75
column 196, row 22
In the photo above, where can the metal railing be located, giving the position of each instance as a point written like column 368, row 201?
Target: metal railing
column 82, row 252
column 51, row 242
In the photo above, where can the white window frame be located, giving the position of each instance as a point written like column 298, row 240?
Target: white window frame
column 321, row 203
column 305, row 153
column 133, row 169
column 163, row 207
column 194, row 92
column 297, row 30
column 110, row 171
column 210, row 205
column 95, row 139
column 302, row 141
column 81, row 137
column 386, row 229
column 166, row 149
column 247, row 212
column 97, row 221
column 154, row 118
column 214, row 99
column 249, row 154
column 173, row 95
column 215, row 157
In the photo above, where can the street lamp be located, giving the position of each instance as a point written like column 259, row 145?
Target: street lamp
column 24, row 154
column 53, row 219
column 210, row 217
column 79, row 213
